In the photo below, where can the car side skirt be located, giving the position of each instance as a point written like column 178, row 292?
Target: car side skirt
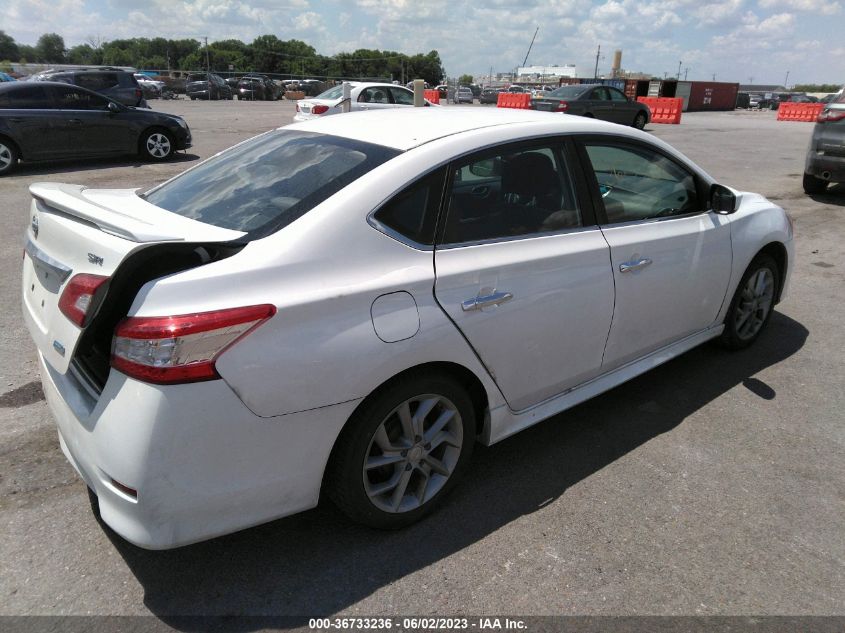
column 503, row 422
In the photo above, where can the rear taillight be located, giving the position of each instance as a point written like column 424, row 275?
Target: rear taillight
column 180, row 349
column 827, row 116
column 78, row 296
column 562, row 106
column 319, row 109
column 138, row 93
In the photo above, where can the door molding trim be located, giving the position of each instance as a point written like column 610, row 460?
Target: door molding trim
column 503, row 422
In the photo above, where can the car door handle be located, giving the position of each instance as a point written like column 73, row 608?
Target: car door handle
column 75, row 121
column 480, row 191
column 16, row 120
column 634, row 265
column 477, row 303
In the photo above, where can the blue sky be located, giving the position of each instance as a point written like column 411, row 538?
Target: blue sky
column 733, row 39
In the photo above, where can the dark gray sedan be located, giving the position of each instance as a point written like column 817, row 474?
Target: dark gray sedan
column 596, row 101
column 49, row 120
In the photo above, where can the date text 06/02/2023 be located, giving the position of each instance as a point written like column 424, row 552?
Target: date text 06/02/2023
column 416, row 623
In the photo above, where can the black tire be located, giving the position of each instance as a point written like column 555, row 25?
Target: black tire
column 345, row 472
column 813, row 185
column 731, row 338
column 9, row 156
column 151, row 145
column 193, row 98
column 639, row 120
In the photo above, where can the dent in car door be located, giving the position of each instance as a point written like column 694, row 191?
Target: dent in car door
column 528, row 282
column 671, row 258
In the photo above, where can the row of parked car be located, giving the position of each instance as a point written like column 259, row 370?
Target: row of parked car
column 770, row 101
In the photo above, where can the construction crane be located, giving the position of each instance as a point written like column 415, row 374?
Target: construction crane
column 529, row 46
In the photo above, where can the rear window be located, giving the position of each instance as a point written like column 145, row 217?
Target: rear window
column 268, row 182
column 568, row 91
column 191, row 78
column 331, row 93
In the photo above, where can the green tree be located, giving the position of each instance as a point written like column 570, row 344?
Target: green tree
column 465, row 80
column 8, row 47
column 27, row 53
column 83, row 54
column 50, row 48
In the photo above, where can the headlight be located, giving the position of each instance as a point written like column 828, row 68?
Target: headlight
column 182, row 123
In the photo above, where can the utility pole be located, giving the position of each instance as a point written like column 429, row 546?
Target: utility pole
column 679, row 71
column 598, row 54
column 714, row 76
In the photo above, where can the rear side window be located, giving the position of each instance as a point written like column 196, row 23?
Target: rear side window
column 33, row 97
column 268, row 182
column 511, row 192
column 413, row 212
column 96, row 81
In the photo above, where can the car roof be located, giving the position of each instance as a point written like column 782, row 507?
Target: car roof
column 406, row 128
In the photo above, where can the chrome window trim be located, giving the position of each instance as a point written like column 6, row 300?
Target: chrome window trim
column 611, row 225
column 525, row 236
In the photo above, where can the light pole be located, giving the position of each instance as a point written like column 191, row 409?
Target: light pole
column 207, row 69
column 598, row 54
column 786, row 81
column 679, row 71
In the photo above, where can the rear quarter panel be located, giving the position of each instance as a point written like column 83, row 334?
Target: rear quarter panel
column 323, row 273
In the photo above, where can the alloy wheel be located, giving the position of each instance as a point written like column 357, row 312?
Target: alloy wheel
column 6, row 156
column 158, row 145
column 413, row 453
column 754, row 304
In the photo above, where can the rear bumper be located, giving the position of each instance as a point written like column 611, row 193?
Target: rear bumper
column 831, row 168
column 202, row 464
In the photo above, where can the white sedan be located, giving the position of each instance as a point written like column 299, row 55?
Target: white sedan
column 364, row 96
column 349, row 304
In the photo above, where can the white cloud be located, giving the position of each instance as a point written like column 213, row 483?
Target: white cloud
column 819, row 7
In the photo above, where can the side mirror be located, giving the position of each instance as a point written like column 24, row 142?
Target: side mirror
column 722, row 200
column 113, row 107
column 487, row 168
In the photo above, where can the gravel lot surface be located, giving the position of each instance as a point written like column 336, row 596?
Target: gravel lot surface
column 712, row 485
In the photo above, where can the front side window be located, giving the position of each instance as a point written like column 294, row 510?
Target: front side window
column 266, row 183
column 69, row 98
column 637, row 183
column 402, row 96
column 616, row 95
column 510, row 193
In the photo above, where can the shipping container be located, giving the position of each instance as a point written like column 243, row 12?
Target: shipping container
column 711, row 95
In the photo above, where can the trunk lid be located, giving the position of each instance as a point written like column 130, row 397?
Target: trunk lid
column 75, row 230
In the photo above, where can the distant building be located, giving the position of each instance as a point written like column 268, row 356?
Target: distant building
column 544, row 74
